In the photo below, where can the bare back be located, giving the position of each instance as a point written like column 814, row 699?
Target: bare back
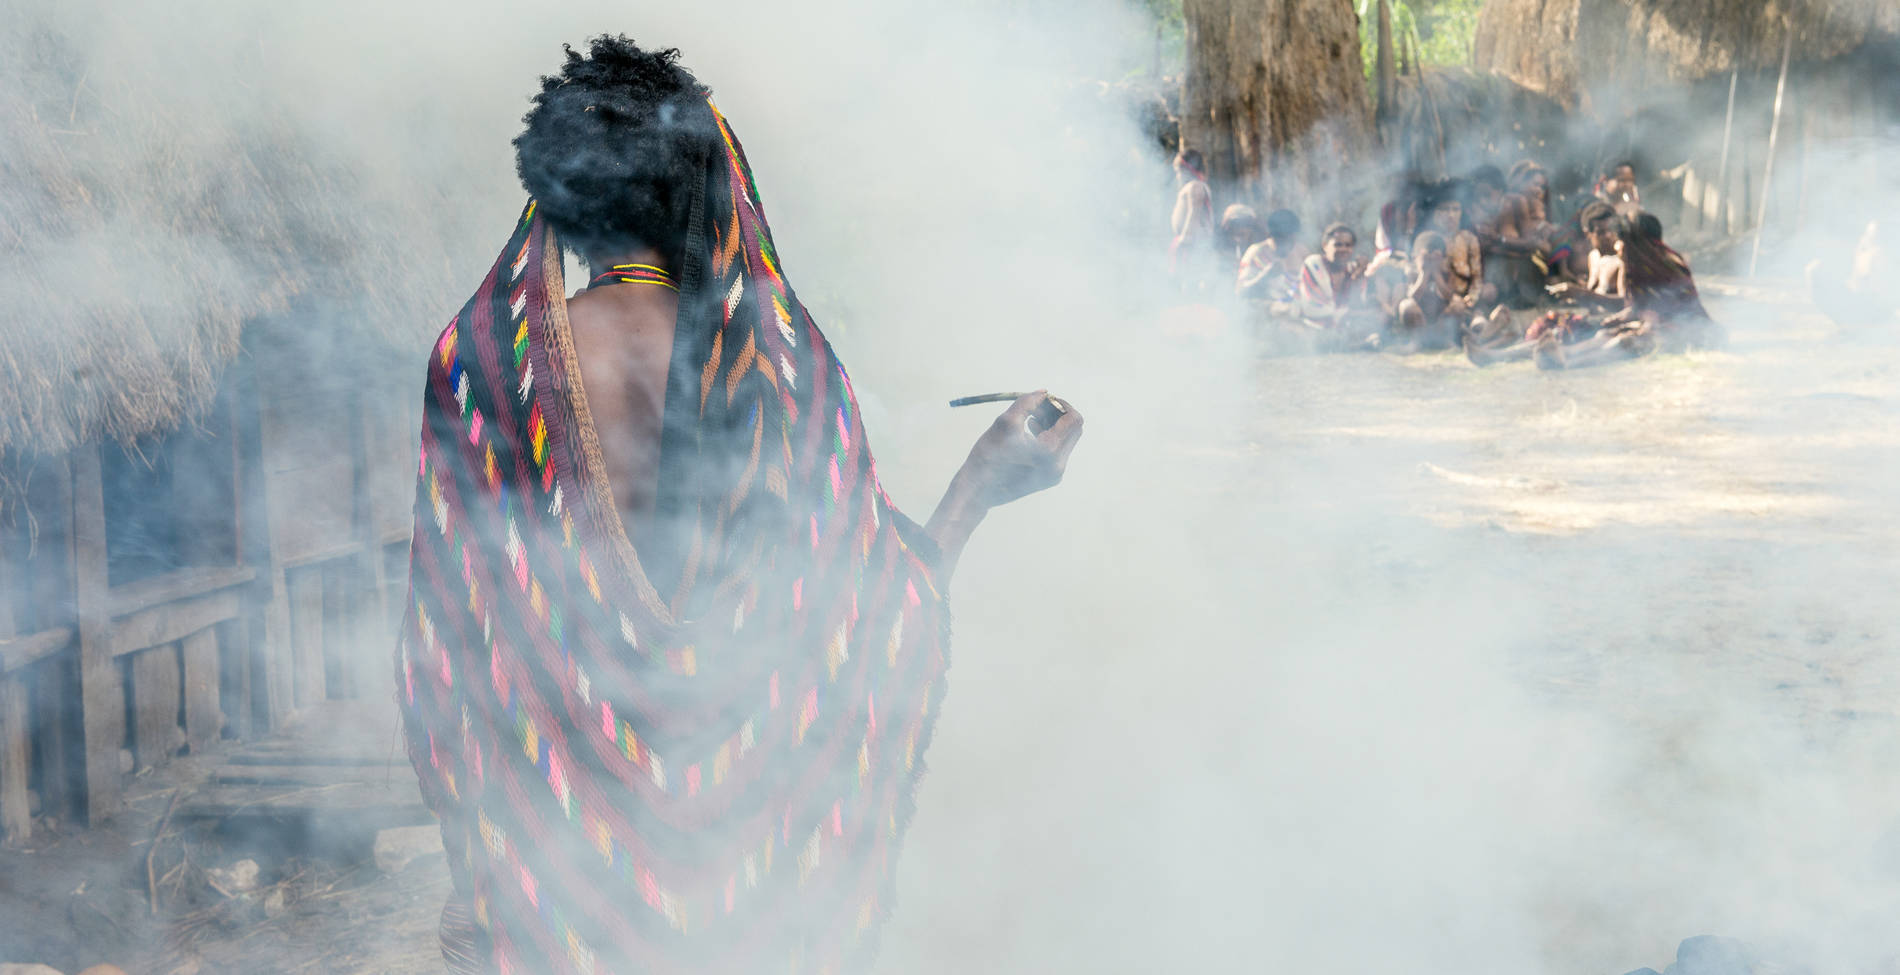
column 623, row 337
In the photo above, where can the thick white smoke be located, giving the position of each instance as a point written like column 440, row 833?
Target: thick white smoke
column 1255, row 689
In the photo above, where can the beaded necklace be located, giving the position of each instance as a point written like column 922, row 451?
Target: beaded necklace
column 635, row 274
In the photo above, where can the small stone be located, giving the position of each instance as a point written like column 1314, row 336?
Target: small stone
column 236, row 878
column 15, row 968
column 125, row 760
column 275, row 902
column 397, row 848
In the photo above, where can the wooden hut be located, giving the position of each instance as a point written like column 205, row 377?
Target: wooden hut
column 1695, row 89
column 207, row 412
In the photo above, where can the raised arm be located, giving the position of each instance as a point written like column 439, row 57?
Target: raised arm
column 1011, row 460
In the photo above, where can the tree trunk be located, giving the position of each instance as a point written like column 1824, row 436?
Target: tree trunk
column 1275, row 98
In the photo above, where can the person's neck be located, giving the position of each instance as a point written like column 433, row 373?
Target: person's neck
column 599, row 264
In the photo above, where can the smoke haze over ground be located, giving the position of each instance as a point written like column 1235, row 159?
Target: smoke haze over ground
column 1339, row 663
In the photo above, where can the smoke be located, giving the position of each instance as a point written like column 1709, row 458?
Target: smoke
column 1255, row 688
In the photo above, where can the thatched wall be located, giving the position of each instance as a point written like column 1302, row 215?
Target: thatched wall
column 139, row 239
column 1570, row 49
column 1448, row 120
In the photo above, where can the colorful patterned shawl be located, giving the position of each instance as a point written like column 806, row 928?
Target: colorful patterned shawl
column 1658, row 279
column 716, row 782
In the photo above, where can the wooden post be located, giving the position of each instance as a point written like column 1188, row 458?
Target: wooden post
column 155, row 698
column 1719, row 193
column 235, row 692
column 16, row 753
column 16, row 814
column 367, row 646
column 1807, row 146
column 101, row 693
column 56, row 682
column 306, row 635
column 1768, row 168
column 266, row 626
column 203, row 718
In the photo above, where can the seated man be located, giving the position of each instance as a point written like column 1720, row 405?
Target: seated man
column 1860, row 291
column 1240, row 229
column 1333, row 302
column 1431, row 316
column 1389, row 276
column 1618, row 189
column 1662, row 310
column 1270, row 270
column 1511, row 262
column 1400, row 219
column 1663, row 299
column 1530, row 195
column 1602, row 287
column 1464, row 256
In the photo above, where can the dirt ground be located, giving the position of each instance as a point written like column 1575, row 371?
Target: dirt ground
column 1514, row 670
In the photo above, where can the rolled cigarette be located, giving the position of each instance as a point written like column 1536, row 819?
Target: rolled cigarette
column 987, row 398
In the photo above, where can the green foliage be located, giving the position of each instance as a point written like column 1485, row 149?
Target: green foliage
column 1444, row 29
column 1165, row 12
column 1170, row 37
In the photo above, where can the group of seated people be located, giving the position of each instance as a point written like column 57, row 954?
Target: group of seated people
column 1479, row 264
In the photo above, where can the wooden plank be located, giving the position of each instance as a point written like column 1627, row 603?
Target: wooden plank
column 203, row 719
column 315, row 774
column 172, row 622
column 17, row 653
column 102, row 696
column 155, row 696
column 16, row 815
column 364, row 805
column 298, row 759
column 306, row 636
column 172, row 587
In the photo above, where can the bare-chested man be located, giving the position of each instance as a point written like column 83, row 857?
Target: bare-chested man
column 1510, row 257
column 1431, row 315
column 1464, row 256
column 1192, row 252
column 1530, row 192
column 1270, row 270
column 1602, row 287
column 1662, row 309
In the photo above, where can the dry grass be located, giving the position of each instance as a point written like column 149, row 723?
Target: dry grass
column 141, row 242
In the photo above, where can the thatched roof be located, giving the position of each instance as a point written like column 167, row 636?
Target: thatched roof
column 139, row 241
column 1565, row 48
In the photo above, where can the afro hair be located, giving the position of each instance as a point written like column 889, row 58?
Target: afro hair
column 613, row 145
